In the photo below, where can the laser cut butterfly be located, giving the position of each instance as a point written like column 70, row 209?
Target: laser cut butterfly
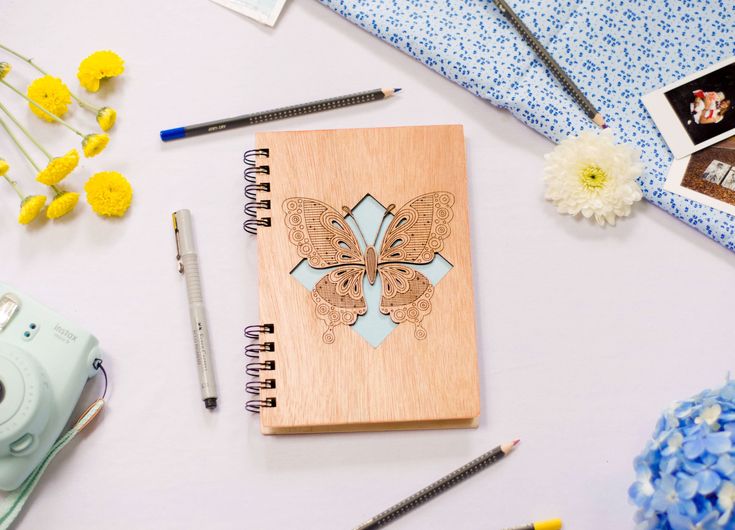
column 415, row 235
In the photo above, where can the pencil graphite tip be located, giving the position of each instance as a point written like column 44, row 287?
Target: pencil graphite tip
column 508, row 448
column 397, row 90
column 599, row 121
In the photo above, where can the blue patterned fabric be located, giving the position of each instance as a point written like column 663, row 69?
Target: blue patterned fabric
column 615, row 50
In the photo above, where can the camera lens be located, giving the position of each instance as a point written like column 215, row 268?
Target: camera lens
column 2, row 392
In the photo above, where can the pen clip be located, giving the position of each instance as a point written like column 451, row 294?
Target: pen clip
column 178, row 250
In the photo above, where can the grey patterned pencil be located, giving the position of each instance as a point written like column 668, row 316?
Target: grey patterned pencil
column 549, row 61
column 440, row 486
column 278, row 114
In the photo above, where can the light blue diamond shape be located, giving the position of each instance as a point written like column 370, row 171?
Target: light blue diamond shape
column 373, row 326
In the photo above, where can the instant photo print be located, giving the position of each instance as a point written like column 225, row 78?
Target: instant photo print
column 707, row 176
column 697, row 111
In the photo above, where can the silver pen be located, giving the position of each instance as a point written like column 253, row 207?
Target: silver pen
column 189, row 266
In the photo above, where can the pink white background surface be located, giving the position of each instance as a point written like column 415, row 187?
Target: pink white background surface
column 585, row 333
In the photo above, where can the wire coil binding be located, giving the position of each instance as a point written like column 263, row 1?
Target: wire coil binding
column 256, row 368
column 251, row 225
column 254, row 332
column 254, row 350
column 252, row 207
column 252, row 189
column 252, row 170
column 254, row 405
column 254, row 387
column 253, row 192
column 249, row 157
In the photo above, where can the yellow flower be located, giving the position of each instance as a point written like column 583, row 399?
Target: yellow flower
column 99, row 65
column 106, row 118
column 30, row 207
column 93, row 144
column 109, row 193
column 4, row 167
column 4, row 69
column 52, row 94
column 58, row 168
column 62, row 204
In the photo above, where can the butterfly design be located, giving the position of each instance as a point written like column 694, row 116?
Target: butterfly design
column 414, row 236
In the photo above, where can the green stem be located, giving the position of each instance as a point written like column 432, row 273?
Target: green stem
column 84, row 104
column 22, row 150
column 79, row 100
column 25, row 131
column 57, row 190
column 15, row 186
column 29, row 100
column 19, row 56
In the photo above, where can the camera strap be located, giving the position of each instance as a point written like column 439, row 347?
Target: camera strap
column 12, row 505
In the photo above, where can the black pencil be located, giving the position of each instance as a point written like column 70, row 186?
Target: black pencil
column 441, row 485
column 278, row 114
column 557, row 70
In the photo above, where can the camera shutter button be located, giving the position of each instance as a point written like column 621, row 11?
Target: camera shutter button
column 22, row 444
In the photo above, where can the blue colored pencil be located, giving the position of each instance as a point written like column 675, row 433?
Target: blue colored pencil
column 278, row 114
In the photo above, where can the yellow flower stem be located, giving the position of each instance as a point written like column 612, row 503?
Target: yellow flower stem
column 14, row 184
column 57, row 190
column 79, row 100
column 84, row 104
column 26, row 132
column 20, row 146
column 52, row 115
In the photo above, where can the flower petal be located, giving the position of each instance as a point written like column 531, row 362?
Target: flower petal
column 678, row 521
column 708, row 481
column 726, row 496
column 641, row 494
column 726, row 465
column 693, row 466
column 694, row 448
column 669, row 465
column 686, row 486
column 718, row 443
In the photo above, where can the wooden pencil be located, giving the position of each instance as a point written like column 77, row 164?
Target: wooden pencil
column 432, row 490
column 557, row 70
column 278, row 114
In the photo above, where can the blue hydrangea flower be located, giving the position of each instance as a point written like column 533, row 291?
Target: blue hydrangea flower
column 685, row 477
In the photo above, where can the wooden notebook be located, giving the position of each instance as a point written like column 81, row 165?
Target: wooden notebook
column 366, row 304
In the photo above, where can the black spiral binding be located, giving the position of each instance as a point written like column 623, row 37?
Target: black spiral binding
column 258, row 367
column 253, row 332
column 255, row 368
column 252, row 170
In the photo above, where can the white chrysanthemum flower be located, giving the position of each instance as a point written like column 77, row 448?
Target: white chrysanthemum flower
column 591, row 175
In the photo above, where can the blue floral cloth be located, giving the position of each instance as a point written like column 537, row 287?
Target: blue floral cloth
column 615, row 50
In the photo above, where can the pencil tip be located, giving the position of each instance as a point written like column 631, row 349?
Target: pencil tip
column 396, row 90
column 599, row 121
column 516, row 441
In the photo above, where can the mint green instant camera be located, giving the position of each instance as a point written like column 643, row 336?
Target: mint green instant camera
column 45, row 361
